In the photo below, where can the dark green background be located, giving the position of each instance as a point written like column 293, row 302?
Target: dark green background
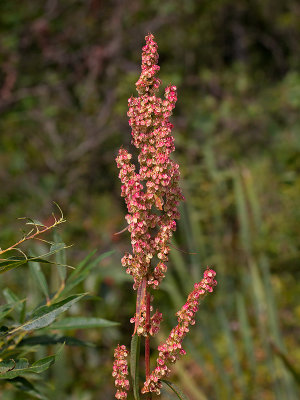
column 67, row 70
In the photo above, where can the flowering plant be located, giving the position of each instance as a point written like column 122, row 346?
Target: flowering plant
column 152, row 196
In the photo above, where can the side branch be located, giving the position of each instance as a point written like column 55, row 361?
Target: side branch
column 38, row 232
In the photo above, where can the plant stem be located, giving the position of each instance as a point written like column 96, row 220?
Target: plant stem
column 147, row 341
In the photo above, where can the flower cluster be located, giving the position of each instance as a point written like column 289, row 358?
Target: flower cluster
column 120, row 371
column 172, row 348
column 152, row 194
column 142, row 328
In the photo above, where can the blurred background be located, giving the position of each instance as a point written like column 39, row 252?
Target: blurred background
column 67, row 69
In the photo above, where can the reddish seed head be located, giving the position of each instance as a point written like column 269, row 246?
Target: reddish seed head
column 152, row 194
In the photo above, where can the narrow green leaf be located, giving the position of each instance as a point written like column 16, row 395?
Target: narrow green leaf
column 82, row 323
column 83, row 269
column 39, row 276
column 45, row 315
column 176, row 390
column 134, row 364
column 60, row 256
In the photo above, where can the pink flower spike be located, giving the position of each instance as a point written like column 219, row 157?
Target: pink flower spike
column 152, row 193
column 170, row 351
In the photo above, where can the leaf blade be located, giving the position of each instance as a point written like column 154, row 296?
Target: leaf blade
column 45, row 315
column 83, row 323
column 134, row 364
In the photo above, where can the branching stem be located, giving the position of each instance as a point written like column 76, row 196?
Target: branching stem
column 30, row 235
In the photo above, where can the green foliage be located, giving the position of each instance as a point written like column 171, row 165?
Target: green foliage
column 20, row 326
